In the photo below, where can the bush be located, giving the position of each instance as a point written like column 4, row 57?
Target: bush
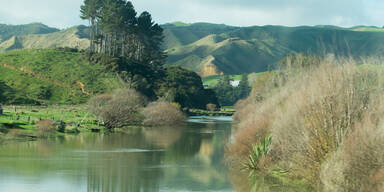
column 211, row 107
column 163, row 113
column 45, row 127
column 97, row 103
column 3, row 129
column 259, row 151
column 119, row 110
column 315, row 114
column 359, row 164
column 61, row 126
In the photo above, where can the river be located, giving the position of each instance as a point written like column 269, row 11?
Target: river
column 174, row 158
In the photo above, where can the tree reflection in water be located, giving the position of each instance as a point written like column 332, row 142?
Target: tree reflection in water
column 148, row 159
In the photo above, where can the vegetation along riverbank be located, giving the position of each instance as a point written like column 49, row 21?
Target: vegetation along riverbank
column 120, row 81
column 316, row 120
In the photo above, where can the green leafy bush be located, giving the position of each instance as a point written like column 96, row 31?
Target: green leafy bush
column 258, row 151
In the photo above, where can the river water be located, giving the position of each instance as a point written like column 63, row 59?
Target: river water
column 180, row 158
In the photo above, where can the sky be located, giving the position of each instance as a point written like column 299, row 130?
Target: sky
column 65, row 13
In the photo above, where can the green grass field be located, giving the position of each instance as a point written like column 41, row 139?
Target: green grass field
column 211, row 81
column 24, row 118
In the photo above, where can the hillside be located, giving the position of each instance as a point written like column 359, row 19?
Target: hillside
column 52, row 76
column 214, row 49
column 8, row 31
column 234, row 50
column 75, row 37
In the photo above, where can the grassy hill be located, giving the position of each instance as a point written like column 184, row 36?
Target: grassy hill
column 75, row 37
column 52, row 76
column 233, row 50
column 8, row 31
column 215, row 49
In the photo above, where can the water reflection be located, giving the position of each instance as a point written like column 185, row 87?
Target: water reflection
column 187, row 158
column 245, row 181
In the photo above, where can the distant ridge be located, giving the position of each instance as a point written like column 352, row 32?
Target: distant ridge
column 75, row 37
column 212, row 49
column 8, row 31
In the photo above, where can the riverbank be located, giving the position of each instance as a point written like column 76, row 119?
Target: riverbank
column 318, row 121
column 151, row 159
column 221, row 112
column 19, row 122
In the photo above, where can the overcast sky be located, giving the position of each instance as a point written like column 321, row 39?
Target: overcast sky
column 65, row 13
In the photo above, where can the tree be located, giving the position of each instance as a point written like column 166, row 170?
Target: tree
column 229, row 95
column 131, row 46
column 225, row 91
column 243, row 89
column 90, row 11
column 121, row 33
column 186, row 88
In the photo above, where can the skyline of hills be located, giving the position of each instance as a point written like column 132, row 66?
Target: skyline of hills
column 212, row 49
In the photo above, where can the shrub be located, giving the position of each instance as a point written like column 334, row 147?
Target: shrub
column 313, row 113
column 97, row 103
column 61, row 126
column 258, row 152
column 359, row 164
column 163, row 113
column 3, row 129
column 45, row 127
column 122, row 109
column 211, row 107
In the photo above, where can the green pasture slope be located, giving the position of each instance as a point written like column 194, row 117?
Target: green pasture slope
column 52, row 76
column 237, row 50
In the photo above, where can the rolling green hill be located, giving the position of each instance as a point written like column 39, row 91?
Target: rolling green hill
column 234, row 50
column 52, row 76
column 8, row 31
column 75, row 37
column 215, row 49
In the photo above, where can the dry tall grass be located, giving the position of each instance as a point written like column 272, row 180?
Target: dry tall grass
column 312, row 111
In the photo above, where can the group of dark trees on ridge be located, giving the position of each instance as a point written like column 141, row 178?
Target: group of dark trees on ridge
column 116, row 30
column 131, row 45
